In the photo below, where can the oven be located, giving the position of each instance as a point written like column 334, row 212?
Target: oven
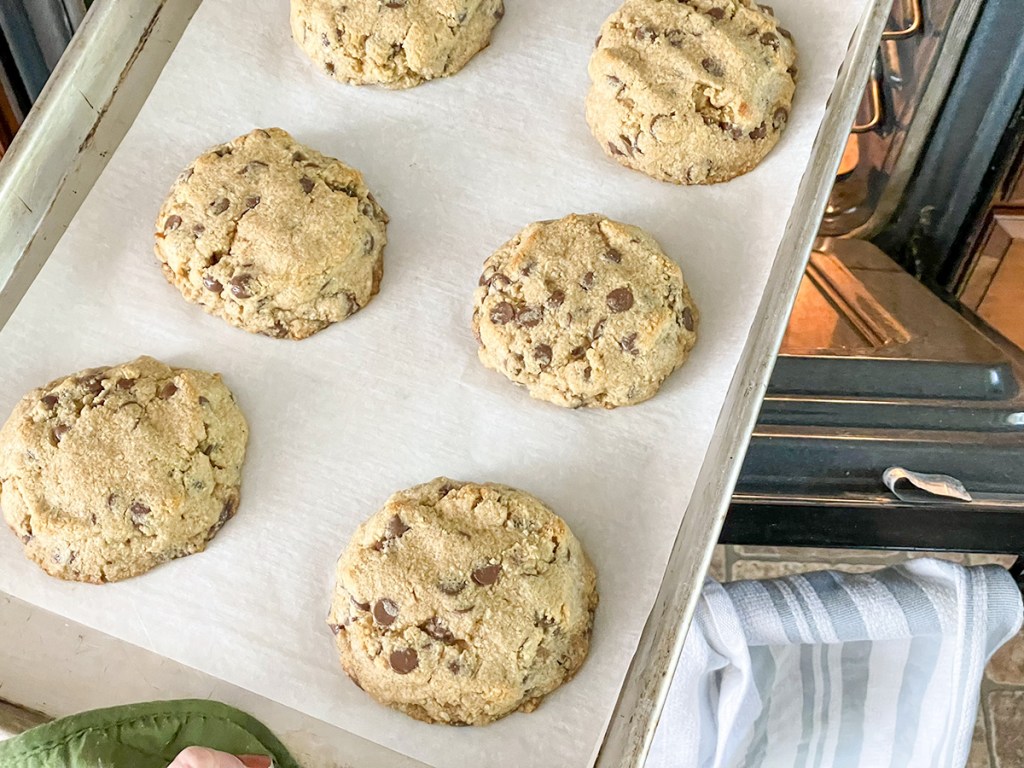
column 905, row 345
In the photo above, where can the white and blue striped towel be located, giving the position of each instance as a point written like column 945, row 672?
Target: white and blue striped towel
column 832, row 670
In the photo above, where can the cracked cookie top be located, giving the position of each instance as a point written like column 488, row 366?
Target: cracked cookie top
column 584, row 311
column 272, row 236
column 460, row 603
column 110, row 472
column 393, row 43
column 691, row 91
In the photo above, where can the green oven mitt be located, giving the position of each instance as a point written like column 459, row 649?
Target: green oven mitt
column 141, row 736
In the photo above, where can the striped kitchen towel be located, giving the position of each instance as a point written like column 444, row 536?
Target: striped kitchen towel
column 833, row 670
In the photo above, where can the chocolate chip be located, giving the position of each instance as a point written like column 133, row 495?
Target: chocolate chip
column 185, row 175
column 172, row 223
column 451, row 587
column 454, row 666
column 767, row 9
column 59, row 431
column 613, row 256
column 219, row 205
column 499, row 12
column 688, row 318
column 203, row 400
column 168, row 390
column 780, row 117
column 716, row 13
column 437, row 630
column 713, row 66
column 499, row 281
column 578, row 353
column 542, row 354
column 396, row 528
column 786, row 33
column 307, row 184
column 405, row 660
column 487, row 575
column 770, row 40
column 556, row 299
column 385, row 612
column 598, row 330
column 329, row 67
column 645, row 33
column 587, row 281
column 325, row 40
column 49, row 401
column 759, row 133
column 394, row 4
column 360, row 606
column 92, row 384
column 212, row 284
column 125, row 383
column 26, row 538
column 253, row 165
column 335, row 628
column 529, row 317
column 615, row 150
column 503, row 313
column 139, row 512
column 228, row 510
column 613, row 81
column 586, row 373
column 240, row 287
column 298, row 157
column 198, row 229
column 251, row 202
column 620, row 299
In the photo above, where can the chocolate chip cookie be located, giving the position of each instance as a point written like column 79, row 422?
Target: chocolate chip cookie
column 393, row 43
column 584, row 311
column 110, row 472
column 272, row 236
column 691, row 91
column 460, row 603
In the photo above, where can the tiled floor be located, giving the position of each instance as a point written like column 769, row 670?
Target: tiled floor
column 999, row 733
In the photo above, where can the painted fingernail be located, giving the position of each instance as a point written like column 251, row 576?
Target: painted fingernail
column 256, row 761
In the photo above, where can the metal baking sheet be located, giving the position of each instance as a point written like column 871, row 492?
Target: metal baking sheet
column 395, row 396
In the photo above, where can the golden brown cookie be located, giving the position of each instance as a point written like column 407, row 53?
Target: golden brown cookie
column 393, row 43
column 691, row 91
column 584, row 311
column 110, row 472
column 460, row 603
column 272, row 236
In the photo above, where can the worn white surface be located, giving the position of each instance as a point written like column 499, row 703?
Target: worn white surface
column 395, row 396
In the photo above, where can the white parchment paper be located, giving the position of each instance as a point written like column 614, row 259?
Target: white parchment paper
column 395, row 395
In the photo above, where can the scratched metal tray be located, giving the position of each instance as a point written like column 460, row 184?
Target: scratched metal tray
column 82, row 115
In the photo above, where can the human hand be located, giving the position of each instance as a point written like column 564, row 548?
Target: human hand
column 198, row 757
